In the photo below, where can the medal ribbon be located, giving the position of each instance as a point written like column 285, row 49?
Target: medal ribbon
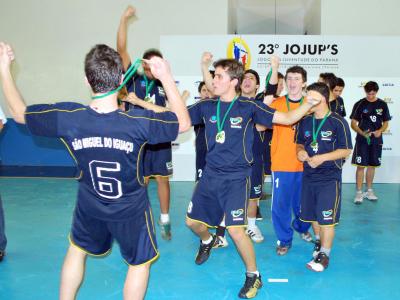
column 315, row 133
column 287, row 102
column 219, row 125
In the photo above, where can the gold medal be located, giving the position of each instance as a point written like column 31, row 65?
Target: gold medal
column 314, row 146
column 220, row 137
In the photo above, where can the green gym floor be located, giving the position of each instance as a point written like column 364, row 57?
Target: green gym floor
column 364, row 261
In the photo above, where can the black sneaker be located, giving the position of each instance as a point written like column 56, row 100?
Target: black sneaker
column 259, row 217
column 317, row 248
column 204, row 251
column 2, row 254
column 251, row 286
column 320, row 263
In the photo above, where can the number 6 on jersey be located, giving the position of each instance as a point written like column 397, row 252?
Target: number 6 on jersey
column 105, row 185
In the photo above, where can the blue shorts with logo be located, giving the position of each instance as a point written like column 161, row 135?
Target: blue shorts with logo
column 257, row 176
column 217, row 196
column 136, row 236
column 365, row 155
column 157, row 160
column 321, row 201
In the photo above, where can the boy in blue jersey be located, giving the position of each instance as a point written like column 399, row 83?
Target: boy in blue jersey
column 106, row 144
column 223, row 190
column 369, row 119
column 323, row 139
column 337, row 92
column 157, row 158
column 336, row 104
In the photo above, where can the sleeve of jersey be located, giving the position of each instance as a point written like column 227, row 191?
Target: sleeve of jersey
column 343, row 135
column 386, row 113
column 195, row 113
column 299, row 136
column 355, row 113
column 262, row 114
column 163, row 127
column 42, row 119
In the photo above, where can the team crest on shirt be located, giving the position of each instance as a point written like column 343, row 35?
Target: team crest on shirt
column 379, row 111
column 236, row 122
column 213, row 119
column 161, row 91
column 237, row 214
column 326, row 135
column 307, row 134
column 142, row 83
column 327, row 214
column 257, row 189
column 365, row 111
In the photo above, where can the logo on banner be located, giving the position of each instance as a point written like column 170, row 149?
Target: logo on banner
column 240, row 51
column 388, row 100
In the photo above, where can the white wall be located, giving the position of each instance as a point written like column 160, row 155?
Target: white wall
column 51, row 37
column 312, row 19
column 360, row 17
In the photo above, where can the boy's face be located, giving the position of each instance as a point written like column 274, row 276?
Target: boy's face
column 204, row 93
column 249, row 84
column 222, row 82
column 294, row 83
column 371, row 96
column 337, row 91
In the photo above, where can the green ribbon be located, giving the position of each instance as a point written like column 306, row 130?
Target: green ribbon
column 315, row 133
column 287, row 102
column 127, row 76
column 148, row 86
column 219, row 125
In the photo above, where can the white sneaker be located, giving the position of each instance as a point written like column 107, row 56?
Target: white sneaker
column 255, row 234
column 370, row 195
column 220, row 242
column 358, row 198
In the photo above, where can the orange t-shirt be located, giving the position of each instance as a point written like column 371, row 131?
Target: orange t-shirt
column 283, row 147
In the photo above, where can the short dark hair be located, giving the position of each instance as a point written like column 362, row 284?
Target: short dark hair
column 251, row 71
column 280, row 76
column 340, row 82
column 103, row 68
column 234, row 69
column 321, row 88
column 330, row 79
column 371, row 86
column 201, row 84
column 149, row 53
column 297, row 69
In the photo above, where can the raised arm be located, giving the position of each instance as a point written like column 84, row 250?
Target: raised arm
column 14, row 100
column 122, row 35
column 161, row 70
column 133, row 99
column 205, row 63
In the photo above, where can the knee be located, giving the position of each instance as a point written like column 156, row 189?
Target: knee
column 236, row 233
column 190, row 223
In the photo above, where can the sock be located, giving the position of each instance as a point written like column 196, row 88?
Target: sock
column 326, row 251
column 209, row 240
column 317, row 237
column 359, row 191
column 369, row 190
column 164, row 218
column 251, row 222
column 221, row 230
column 255, row 272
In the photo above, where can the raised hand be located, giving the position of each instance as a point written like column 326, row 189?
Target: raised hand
column 206, row 59
column 129, row 12
column 159, row 67
column 6, row 56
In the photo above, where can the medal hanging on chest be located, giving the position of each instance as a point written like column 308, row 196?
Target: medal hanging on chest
column 148, row 87
column 314, row 146
column 314, row 143
column 220, row 137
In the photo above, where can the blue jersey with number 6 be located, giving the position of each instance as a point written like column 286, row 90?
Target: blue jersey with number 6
column 108, row 151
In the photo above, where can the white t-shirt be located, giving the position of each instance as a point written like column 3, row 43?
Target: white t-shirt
column 2, row 116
